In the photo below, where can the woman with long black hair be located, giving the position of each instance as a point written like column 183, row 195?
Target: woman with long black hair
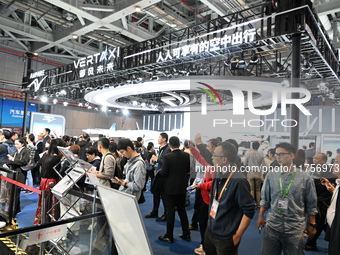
column 48, row 176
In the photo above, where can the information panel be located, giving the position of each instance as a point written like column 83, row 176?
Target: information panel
column 123, row 215
column 40, row 121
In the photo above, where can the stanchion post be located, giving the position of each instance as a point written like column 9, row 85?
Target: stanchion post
column 13, row 195
column 43, row 218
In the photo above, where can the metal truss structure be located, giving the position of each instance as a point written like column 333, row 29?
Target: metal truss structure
column 268, row 55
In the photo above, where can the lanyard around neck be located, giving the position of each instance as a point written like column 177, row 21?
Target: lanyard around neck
column 334, row 195
column 224, row 186
column 285, row 193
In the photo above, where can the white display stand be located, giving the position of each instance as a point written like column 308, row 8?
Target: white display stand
column 125, row 220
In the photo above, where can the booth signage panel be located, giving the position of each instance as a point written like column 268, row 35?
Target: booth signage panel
column 13, row 112
column 47, row 234
column 40, row 121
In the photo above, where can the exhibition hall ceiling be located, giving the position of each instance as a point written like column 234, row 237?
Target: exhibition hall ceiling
column 78, row 32
column 65, row 30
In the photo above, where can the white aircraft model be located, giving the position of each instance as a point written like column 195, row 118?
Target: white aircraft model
column 147, row 135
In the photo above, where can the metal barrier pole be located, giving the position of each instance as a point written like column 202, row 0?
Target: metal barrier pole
column 13, row 195
column 92, row 221
column 43, row 218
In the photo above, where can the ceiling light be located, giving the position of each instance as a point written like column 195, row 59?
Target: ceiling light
column 125, row 111
column 80, row 104
column 241, row 64
column 65, row 103
column 154, row 78
column 55, row 101
column 134, row 103
column 74, row 36
column 143, row 105
column 138, row 9
column 35, row 54
column 104, row 108
column 285, row 83
column 63, row 92
column 89, row 107
column 254, row 59
column 97, row 7
column 44, row 99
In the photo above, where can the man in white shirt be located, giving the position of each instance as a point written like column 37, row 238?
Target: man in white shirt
column 333, row 212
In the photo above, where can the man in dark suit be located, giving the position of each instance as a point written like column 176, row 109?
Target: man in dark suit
column 46, row 134
column 175, row 171
column 333, row 212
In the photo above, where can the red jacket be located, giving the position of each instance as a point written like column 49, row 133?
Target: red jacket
column 205, row 187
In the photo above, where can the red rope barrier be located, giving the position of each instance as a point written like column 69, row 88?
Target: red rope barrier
column 38, row 191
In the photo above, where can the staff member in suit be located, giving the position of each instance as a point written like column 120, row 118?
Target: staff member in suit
column 20, row 158
column 333, row 212
column 175, row 170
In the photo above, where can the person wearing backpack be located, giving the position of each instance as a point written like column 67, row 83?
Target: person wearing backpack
column 107, row 165
column 9, row 141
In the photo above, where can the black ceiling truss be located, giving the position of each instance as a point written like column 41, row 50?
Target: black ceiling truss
column 272, row 48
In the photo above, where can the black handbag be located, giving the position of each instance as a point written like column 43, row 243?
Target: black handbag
column 31, row 164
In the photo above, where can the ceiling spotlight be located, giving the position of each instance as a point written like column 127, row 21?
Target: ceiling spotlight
column 74, row 36
column 55, row 101
column 241, row 64
column 125, row 111
column 285, row 83
column 154, row 78
column 117, row 111
column 331, row 95
column 138, row 9
column 35, row 54
column 89, row 107
column 65, row 103
column 63, row 92
column 80, row 104
column 104, row 108
column 44, row 99
column 143, row 105
column 254, row 59
column 134, row 103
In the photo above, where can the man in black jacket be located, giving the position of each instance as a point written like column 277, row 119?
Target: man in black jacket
column 231, row 204
column 157, row 188
column 175, row 171
column 84, row 142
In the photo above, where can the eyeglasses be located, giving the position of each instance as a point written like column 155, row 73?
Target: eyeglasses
column 280, row 154
column 217, row 156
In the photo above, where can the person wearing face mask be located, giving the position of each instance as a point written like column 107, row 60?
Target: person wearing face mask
column 20, row 158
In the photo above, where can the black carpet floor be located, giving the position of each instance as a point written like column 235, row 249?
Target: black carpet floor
column 250, row 243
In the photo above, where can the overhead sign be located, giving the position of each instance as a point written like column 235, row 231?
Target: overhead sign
column 47, row 234
column 214, row 44
column 98, row 63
